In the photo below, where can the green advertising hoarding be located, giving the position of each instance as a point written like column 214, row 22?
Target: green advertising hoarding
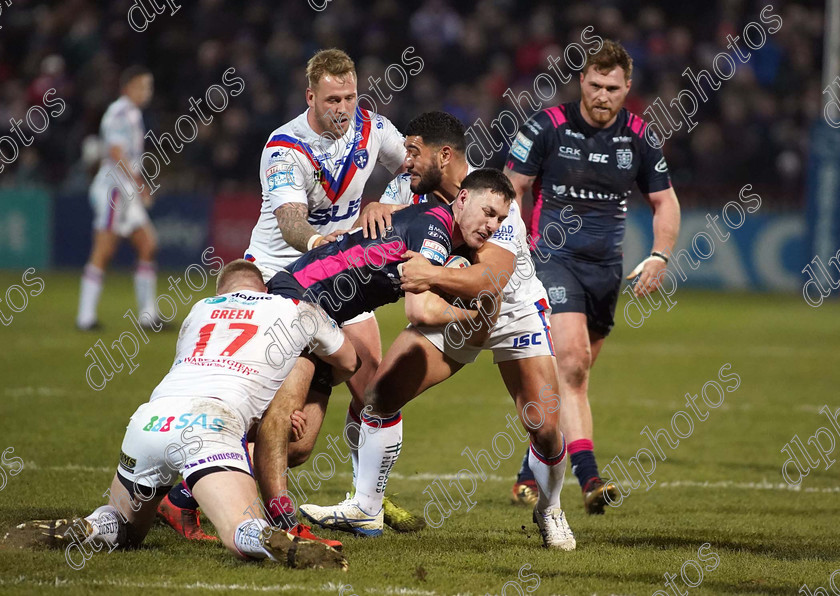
column 25, row 225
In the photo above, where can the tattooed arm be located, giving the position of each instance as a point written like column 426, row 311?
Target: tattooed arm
column 296, row 230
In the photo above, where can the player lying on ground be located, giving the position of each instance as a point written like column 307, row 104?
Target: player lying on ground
column 423, row 355
column 313, row 171
column 583, row 157
column 223, row 379
column 355, row 274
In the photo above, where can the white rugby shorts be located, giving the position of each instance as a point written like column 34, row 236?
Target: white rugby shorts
column 523, row 333
column 174, row 436
column 115, row 211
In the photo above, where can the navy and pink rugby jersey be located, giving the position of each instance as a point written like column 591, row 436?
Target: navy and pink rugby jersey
column 356, row 274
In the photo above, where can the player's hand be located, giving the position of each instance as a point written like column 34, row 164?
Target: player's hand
column 649, row 273
column 298, row 418
column 373, row 215
column 332, row 237
column 416, row 273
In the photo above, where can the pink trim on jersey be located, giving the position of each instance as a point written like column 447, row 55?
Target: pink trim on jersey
column 558, row 117
column 637, row 125
column 320, row 270
column 444, row 216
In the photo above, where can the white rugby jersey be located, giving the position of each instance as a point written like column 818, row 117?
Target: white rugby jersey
column 240, row 346
column 523, row 289
column 298, row 166
column 122, row 125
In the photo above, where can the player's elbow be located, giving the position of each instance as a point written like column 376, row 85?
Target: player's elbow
column 416, row 312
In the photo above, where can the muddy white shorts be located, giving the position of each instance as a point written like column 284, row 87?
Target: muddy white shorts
column 187, row 436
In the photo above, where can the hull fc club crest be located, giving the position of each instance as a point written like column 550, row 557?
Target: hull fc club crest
column 624, row 158
column 360, row 158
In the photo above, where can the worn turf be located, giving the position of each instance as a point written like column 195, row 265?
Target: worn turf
column 721, row 485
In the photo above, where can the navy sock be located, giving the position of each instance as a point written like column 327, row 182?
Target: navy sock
column 181, row 496
column 525, row 473
column 584, row 466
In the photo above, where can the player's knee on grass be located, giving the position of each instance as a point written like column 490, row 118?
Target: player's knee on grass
column 573, row 365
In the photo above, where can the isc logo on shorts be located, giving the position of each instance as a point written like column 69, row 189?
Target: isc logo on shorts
column 529, row 339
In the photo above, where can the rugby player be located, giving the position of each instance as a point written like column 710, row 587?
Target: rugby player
column 224, row 377
column 426, row 354
column 355, row 274
column 118, row 215
column 586, row 156
column 313, row 170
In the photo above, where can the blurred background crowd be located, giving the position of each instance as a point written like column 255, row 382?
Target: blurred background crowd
column 753, row 130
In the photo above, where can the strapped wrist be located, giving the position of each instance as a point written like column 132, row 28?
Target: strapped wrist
column 312, row 240
column 656, row 253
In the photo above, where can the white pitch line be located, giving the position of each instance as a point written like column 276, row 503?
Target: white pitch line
column 330, row 587
column 428, row 477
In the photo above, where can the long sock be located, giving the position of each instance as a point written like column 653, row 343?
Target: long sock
column 282, row 512
column 182, row 497
column 352, row 423
column 248, row 538
column 89, row 295
column 107, row 527
column 549, row 473
column 382, row 442
column 525, row 473
column 583, row 461
column 145, row 282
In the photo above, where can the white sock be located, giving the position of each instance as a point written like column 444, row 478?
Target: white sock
column 377, row 454
column 89, row 295
column 549, row 473
column 352, row 422
column 248, row 538
column 107, row 523
column 145, row 288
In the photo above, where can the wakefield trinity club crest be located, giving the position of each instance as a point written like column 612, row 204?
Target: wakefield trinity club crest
column 624, row 158
column 360, row 158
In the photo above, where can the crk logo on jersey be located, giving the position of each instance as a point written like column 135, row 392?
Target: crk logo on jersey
column 360, row 158
column 624, row 158
column 557, row 294
column 569, row 152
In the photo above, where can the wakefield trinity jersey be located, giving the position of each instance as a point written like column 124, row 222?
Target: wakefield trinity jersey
column 591, row 169
column 328, row 176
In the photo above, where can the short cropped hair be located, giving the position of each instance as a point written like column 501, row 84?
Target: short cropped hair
column 234, row 269
column 332, row 62
column 610, row 55
column 489, row 179
column 131, row 73
column 439, row 129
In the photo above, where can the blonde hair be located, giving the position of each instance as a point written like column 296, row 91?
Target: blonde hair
column 328, row 62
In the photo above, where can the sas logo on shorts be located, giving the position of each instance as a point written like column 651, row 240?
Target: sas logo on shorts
column 434, row 251
column 521, row 147
column 163, row 424
column 557, row 294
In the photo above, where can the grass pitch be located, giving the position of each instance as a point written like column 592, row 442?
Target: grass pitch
column 722, row 485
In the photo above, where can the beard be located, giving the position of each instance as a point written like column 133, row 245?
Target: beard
column 600, row 116
column 429, row 182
